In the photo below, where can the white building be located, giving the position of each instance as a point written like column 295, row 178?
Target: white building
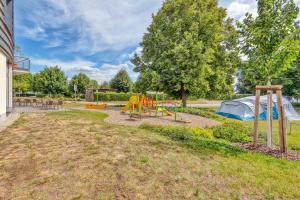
column 9, row 65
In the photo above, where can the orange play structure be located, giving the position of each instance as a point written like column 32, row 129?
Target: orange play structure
column 100, row 106
column 97, row 105
column 139, row 104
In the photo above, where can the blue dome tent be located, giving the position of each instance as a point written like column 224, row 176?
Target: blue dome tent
column 244, row 109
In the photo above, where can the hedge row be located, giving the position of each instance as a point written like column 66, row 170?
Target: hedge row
column 113, row 96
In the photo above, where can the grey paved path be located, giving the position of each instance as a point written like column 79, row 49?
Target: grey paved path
column 8, row 121
column 33, row 110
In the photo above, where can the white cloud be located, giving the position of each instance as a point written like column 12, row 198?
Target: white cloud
column 53, row 43
column 103, row 73
column 64, row 65
column 137, row 51
column 36, row 33
column 238, row 8
column 99, row 25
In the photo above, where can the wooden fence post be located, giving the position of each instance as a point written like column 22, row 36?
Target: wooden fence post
column 255, row 132
column 269, row 118
column 282, row 130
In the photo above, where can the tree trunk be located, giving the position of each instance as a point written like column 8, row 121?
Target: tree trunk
column 183, row 97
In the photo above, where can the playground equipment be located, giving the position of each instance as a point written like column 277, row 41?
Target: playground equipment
column 98, row 106
column 139, row 104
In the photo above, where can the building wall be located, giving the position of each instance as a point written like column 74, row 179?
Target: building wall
column 9, row 89
column 3, row 85
column 6, row 55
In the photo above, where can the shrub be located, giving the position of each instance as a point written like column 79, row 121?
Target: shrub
column 174, row 132
column 238, row 96
column 205, row 133
column 113, row 96
column 204, row 112
column 179, row 132
column 296, row 104
column 40, row 95
column 193, row 138
column 233, row 132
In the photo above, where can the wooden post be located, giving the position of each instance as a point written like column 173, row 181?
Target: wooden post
column 255, row 132
column 282, row 130
column 269, row 118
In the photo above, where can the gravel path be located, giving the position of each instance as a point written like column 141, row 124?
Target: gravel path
column 116, row 117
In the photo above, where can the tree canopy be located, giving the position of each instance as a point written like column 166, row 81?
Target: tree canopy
column 105, row 84
column 192, row 45
column 93, row 84
column 51, row 80
column 271, row 40
column 121, row 81
column 82, row 82
column 23, row 83
column 148, row 80
column 290, row 80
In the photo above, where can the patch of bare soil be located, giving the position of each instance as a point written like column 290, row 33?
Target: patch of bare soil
column 275, row 152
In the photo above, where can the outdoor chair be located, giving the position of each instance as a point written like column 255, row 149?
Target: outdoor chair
column 35, row 102
column 44, row 104
column 59, row 104
column 40, row 103
column 28, row 102
column 22, row 102
column 50, row 104
column 17, row 102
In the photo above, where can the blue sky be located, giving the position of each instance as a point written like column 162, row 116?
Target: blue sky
column 96, row 37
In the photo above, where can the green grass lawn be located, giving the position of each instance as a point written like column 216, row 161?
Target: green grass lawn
column 293, row 131
column 75, row 155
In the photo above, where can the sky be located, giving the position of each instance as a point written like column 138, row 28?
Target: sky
column 95, row 37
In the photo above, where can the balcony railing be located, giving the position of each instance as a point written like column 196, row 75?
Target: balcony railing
column 21, row 63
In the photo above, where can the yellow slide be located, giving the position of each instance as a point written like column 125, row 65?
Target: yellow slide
column 131, row 101
column 163, row 110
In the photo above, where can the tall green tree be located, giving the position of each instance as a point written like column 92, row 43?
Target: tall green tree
column 192, row 45
column 271, row 40
column 23, row 83
column 82, row 82
column 290, row 80
column 93, row 84
column 121, row 81
column 244, row 84
column 50, row 81
column 148, row 80
column 105, row 84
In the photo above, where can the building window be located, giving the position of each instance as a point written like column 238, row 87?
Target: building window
column 8, row 13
